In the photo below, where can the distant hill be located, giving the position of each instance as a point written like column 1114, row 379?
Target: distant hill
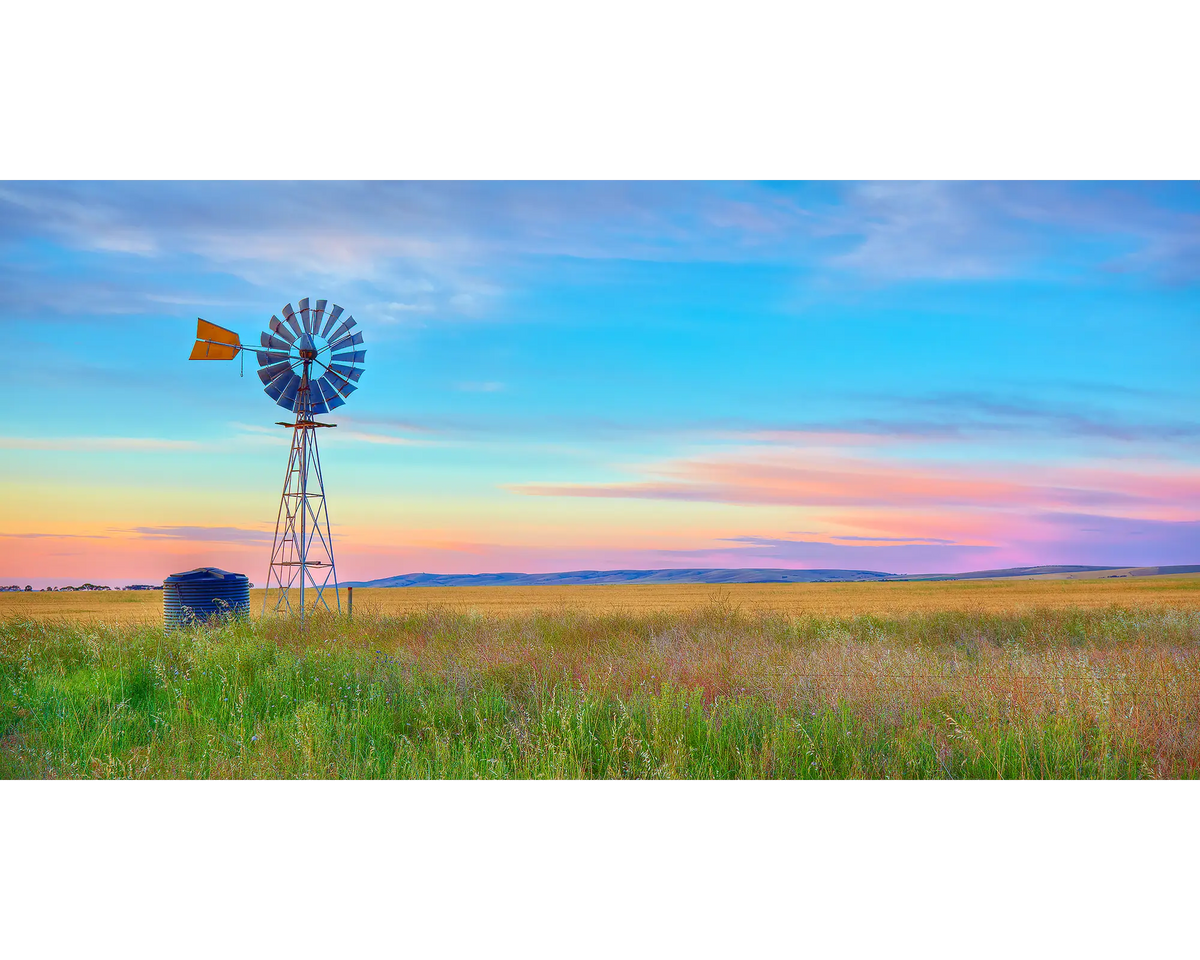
column 1042, row 571
column 763, row 575
column 1063, row 573
column 622, row 576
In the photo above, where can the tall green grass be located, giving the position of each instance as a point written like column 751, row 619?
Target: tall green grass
column 567, row 694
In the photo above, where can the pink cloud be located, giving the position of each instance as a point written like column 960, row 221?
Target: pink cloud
column 814, row 480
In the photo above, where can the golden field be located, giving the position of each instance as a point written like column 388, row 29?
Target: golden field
column 793, row 599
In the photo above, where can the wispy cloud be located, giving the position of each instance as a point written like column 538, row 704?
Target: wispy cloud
column 103, row 444
column 359, row 420
column 52, row 536
column 941, row 231
column 898, row 540
column 204, row 534
column 808, row 478
column 982, row 230
column 45, row 292
column 957, row 230
column 395, row 312
column 387, row 439
column 984, row 412
column 755, row 551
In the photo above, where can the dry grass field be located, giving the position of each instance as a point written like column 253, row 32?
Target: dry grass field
column 790, row 599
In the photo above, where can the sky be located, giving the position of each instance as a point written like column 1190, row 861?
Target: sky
column 903, row 377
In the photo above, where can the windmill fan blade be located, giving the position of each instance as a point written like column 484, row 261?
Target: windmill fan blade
column 352, row 372
column 289, row 316
column 280, row 330
column 305, row 319
column 326, row 392
column 342, row 383
column 267, row 374
column 333, row 317
column 329, row 391
column 332, row 397
column 288, row 397
column 274, row 389
column 344, row 327
column 267, row 357
column 272, row 343
column 358, row 356
column 318, row 315
column 333, row 385
column 347, row 342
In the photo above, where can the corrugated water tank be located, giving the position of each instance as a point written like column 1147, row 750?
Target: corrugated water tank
column 202, row 593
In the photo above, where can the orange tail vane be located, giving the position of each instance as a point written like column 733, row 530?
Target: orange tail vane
column 214, row 343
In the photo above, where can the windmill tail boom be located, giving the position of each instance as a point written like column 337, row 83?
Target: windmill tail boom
column 214, row 343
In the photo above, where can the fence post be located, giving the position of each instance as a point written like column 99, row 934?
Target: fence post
column 349, row 601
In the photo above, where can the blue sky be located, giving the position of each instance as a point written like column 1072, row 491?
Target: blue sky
column 900, row 376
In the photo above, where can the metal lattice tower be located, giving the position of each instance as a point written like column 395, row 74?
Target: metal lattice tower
column 309, row 363
column 302, row 551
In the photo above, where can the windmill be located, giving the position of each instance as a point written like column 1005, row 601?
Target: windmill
column 309, row 363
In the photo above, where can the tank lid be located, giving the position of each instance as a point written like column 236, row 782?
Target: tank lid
column 204, row 573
